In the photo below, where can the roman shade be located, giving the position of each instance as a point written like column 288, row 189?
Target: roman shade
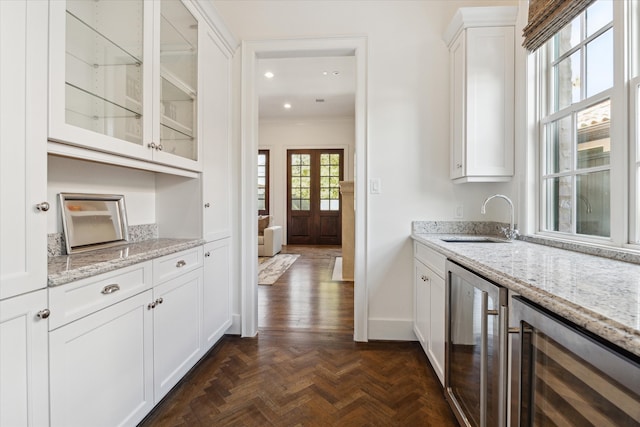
column 547, row 17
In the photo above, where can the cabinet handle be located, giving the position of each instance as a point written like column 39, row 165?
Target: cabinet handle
column 151, row 305
column 109, row 289
column 207, row 254
column 181, row 263
column 207, row 205
column 43, row 314
column 159, row 147
column 152, row 145
column 43, row 207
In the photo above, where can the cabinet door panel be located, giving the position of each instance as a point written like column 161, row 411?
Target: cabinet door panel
column 421, row 303
column 24, row 369
column 177, row 330
column 437, row 324
column 100, row 74
column 23, row 135
column 490, row 101
column 102, row 367
column 215, row 87
column 217, row 291
column 457, row 166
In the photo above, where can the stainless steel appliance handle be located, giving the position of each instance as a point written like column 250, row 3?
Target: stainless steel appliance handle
column 503, row 355
column 484, row 358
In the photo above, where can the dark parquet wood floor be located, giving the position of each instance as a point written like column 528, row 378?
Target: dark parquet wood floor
column 303, row 368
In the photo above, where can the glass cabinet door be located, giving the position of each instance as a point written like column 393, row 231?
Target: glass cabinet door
column 178, row 80
column 104, row 67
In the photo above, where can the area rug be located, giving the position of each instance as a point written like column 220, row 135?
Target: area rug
column 271, row 268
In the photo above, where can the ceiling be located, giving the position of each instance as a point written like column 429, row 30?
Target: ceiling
column 315, row 87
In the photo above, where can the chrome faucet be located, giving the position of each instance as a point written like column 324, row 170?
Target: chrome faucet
column 510, row 233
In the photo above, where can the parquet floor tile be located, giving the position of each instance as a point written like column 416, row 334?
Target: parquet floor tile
column 304, row 369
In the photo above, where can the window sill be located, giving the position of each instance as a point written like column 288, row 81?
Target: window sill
column 626, row 254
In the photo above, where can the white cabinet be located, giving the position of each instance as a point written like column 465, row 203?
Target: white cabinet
column 121, row 340
column 429, row 305
column 123, row 79
column 436, row 346
column 177, row 330
column 482, row 53
column 23, row 167
column 217, row 291
column 215, row 89
column 102, row 366
column 101, row 344
column 421, row 303
column 24, row 368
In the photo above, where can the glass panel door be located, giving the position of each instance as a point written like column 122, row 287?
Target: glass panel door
column 314, row 213
column 563, row 375
column 104, row 67
column 178, row 79
column 476, row 344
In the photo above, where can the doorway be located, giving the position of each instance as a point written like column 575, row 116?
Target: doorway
column 314, row 208
column 355, row 47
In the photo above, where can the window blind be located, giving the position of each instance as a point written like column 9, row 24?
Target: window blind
column 547, row 17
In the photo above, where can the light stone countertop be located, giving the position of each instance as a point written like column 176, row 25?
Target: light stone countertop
column 600, row 294
column 67, row 268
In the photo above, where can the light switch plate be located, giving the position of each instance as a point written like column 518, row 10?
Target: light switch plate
column 375, row 186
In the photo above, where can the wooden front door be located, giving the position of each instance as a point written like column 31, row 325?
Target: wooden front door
column 314, row 208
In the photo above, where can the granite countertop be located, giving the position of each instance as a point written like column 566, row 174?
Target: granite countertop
column 67, row 268
column 600, row 294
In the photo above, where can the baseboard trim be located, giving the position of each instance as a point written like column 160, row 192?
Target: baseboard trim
column 391, row 330
column 236, row 325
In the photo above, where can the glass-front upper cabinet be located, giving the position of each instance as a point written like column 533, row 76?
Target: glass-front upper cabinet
column 123, row 78
column 178, row 80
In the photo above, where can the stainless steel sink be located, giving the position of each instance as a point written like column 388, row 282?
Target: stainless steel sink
column 471, row 239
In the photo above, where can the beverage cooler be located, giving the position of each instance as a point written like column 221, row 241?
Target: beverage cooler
column 563, row 375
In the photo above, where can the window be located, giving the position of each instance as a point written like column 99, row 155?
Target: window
column 577, row 75
column 330, row 182
column 263, row 182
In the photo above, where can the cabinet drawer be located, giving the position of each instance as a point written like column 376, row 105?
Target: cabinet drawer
column 174, row 265
column 83, row 297
column 432, row 259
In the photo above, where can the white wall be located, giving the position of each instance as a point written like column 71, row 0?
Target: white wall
column 407, row 130
column 278, row 136
column 78, row 176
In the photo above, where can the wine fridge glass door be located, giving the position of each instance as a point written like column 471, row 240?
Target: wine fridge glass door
column 473, row 350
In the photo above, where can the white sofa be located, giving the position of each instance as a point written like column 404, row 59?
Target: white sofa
column 270, row 240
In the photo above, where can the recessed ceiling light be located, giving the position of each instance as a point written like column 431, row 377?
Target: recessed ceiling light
column 269, row 75
column 325, row 73
column 335, row 73
column 287, row 106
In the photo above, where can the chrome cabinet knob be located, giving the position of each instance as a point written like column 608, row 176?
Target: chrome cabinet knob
column 43, row 314
column 458, row 165
column 207, row 205
column 152, row 145
column 43, row 207
column 151, row 305
column 207, row 254
column 159, row 300
column 159, row 147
